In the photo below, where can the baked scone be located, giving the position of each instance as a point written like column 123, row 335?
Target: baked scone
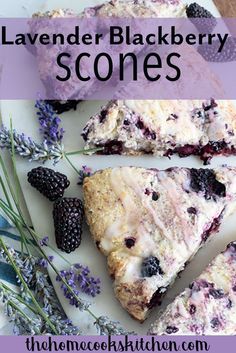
column 184, row 127
column 208, row 306
column 115, row 8
column 124, row 8
column 150, row 223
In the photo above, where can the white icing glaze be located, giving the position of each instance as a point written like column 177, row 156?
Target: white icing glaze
column 163, row 229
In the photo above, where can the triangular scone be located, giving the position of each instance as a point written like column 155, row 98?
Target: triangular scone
column 113, row 8
column 208, row 306
column 184, row 127
column 150, row 223
column 123, row 8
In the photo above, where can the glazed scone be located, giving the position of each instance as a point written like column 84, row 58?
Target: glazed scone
column 150, row 223
column 184, row 127
column 125, row 8
column 113, row 8
column 208, row 306
column 138, row 8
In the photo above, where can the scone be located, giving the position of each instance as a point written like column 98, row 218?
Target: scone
column 125, row 8
column 162, row 127
column 150, row 223
column 208, row 306
column 113, row 8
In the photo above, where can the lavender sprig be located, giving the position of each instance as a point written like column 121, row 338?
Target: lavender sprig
column 25, row 147
column 39, row 283
column 49, row 122
column 24, row 324
column 105, row 326
column 79, row 279
column 46, row 295
column 88, row 284
column 25, row 265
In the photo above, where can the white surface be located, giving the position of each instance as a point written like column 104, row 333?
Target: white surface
column 24, row 120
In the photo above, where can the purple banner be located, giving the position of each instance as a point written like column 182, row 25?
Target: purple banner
column 111, row 58
column 100, row 344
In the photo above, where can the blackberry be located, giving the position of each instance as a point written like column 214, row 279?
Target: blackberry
column 171, row 329
column 155, row 196
column 229, row 304
column 192, row 309
column 111, row 147
column 151, row 266
column 192, row 210
column 68, row 217
column 204, row 180
column 48, row 182
column 103, row 116
column 130, row 242
column 217, row 293
column 211, row 52
column 139, row 124
column 202, row 19
column 215, row 323
column 209, row 105
column 63, row 106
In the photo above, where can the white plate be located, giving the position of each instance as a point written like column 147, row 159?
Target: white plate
column 25, row 120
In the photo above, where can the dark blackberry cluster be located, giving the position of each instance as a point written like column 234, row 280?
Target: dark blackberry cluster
column 215, row 323
column 204, row 180
column 202, row 19
column 171, row 329
column 130, row 242
column 211, row 52
column 68, row 218
column 151, row 266
column 192, row 309
column 111, row 147
column 217, row 293
column 63, row 106
column 48, row 182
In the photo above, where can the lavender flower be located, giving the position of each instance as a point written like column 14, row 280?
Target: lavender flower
column 49, row 122
column 87, row 283
column 39, row 283
column 44, row 241
column 44, row 262
column 25, row 265
column 78, row 277
column 23, row 324
column 106, row 326
column 45, row 294
column 27, row 148
column 83, row 173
